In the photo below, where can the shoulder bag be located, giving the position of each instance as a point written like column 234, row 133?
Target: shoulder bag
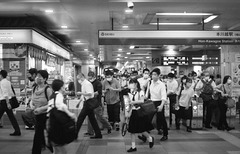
column 92, row 103
column 13, row 101
column 229, row 102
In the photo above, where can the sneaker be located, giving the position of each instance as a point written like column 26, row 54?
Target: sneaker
column 109, row 131
column 96, row 137
column 151, row 144
column 229, row 128
column 132, row 149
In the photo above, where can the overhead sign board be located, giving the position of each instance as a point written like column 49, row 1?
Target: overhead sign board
column 168, row 37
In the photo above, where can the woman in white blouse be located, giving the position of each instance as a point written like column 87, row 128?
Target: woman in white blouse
column 138, row 124
column 58, row 88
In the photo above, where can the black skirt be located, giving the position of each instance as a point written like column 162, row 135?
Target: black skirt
column 139, row 124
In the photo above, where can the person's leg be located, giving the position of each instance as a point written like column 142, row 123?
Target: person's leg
column 162, row 120
column 172, row 100
column 208, row 114
column 13, row 121
column 99, row 115
column 94, row 123
column 133, row 144
column 222, row 115
column 89, row 128
column 2, row 109
column 117, row 115
column 110, row 112
column 150, row 139
column 81, row 118
column 39, row 138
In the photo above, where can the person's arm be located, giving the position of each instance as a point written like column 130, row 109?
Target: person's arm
column 199, row 86
column 213, row 84
column 175, row 87
column 99, row 90
column 190, row 99
column 148, row 90
column 118, row 87
column 164, row 97
column 5, row 89
column 141, row 98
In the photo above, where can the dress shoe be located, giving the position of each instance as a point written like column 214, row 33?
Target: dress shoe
column 164, row 138
column 160, row 132
column 151, row 144
column 143, row 138
column 132, row 149
column 220, row 128
column 96, row 137
column 15, row 134
column 88, row 134
column 229, row 128
column 189, row 129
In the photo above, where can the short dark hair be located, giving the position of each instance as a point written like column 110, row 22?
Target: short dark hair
column 146, row 70
column 194, row 73
column 171, row 75
column 108, row 72
column 218, row 76
column 156, row 70
column 4, row 73
column 43, row 73
column 184, row 77
column 189, row 80
column 57, row 84
column 32, row 71
column 136, row 82
column 226, row 78
column 91, row 73
column 135, row 72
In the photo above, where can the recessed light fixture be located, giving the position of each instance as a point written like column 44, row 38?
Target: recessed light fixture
column 85, row 49
column 125, row 26
column 64, row 26
column 120, row 49
column 49, row 11
column 176, row 24
column 216, row 27
column 183, row 14
column 78, row 41
column 90, row 55
column 147, row 57
column 132, row 47
column 118, row 55
column 128, row 53
column 210, row 18
column 118, row 58
column 94, row 58
column 125, row 57
column 128, row 11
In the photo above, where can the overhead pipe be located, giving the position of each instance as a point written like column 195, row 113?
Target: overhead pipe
column 157, row 23
column 203, row 24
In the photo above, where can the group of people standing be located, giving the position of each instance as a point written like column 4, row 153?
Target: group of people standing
column 151, row 85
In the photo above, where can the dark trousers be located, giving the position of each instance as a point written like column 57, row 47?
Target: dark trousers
column 207, row 112
column 113, row 111
column 90, row 113
column 172, row 99
column 4, row 108
column 39, row 138
column 161, row 119
column 223, row 117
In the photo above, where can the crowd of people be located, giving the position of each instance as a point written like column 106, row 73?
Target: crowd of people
column 113, row 91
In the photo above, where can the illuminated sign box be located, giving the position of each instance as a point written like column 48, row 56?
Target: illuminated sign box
column 31, row 36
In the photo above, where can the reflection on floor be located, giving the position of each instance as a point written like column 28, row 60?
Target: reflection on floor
column 179, row 142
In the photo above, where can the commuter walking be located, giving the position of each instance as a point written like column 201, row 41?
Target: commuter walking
column 143, row 81
column 40, row 106
column 87, row 92
column 225, row 90
column 172, row 87
column 6, row 93
column 206, row 86
column 138, row 124
column 184, row 103
column 58, row 88
column 97, row 86
column 111, row 88
column 158, row 95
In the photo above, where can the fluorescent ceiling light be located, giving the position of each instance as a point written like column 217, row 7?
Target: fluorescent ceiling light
column 90, row 55
column 128, row 53
column 118, row 58
column 175, row 24
column 125, row 57
column 78, row 41
column 64, row 26
column 147, row 57
column 119, row 49
column 210, row 18
column 216, row 26
column 94, row 58
column 85, row 49
column 132, row 47
column 49, row 11
column 128, row 11
column 118, row 55
column 125, row 26
column 183, row 14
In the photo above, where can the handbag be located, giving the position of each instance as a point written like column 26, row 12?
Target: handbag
column 13, row 101
column 147, row 108
column 62, row 128
column 230, row 103
column 92, row 103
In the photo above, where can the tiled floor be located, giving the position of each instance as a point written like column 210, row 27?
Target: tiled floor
column 180, row 142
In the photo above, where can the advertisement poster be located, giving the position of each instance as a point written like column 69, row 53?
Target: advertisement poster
column 236, row 79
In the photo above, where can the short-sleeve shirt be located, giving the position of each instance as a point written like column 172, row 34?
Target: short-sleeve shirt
column 111, row 96
column 186, row 95
column 158, row 91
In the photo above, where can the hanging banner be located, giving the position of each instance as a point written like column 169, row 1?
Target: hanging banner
column 169, row 37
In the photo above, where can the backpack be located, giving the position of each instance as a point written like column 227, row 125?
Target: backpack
column 207, row 91
column 45, row 91
column 62, row 128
